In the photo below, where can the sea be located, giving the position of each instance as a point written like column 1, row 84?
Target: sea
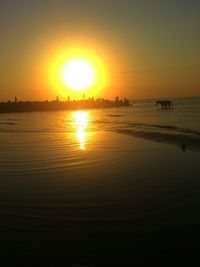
column 87, row 185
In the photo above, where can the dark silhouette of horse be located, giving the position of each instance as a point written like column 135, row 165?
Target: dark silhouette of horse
column 164, row 104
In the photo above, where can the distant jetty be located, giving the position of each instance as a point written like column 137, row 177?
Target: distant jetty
column 55, row 105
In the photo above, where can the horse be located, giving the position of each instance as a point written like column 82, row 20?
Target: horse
column 164, row 103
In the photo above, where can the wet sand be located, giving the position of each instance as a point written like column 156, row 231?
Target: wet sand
column 120, row 199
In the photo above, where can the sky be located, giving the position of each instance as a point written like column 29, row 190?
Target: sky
column 150, row 48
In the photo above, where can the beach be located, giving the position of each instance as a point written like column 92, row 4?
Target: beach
column 99, row 133
column 88, row 189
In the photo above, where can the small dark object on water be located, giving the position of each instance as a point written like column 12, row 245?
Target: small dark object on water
column 183, row 146
column 164, row 104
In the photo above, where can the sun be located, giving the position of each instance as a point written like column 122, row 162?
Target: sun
column 78, row 74
column 73, row 72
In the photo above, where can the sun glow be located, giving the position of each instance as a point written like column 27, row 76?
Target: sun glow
column 81, row 117
column 78, row 74
column 74, row 72
column 81, row 120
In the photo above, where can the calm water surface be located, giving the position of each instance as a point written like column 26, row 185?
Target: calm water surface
column 85, row 171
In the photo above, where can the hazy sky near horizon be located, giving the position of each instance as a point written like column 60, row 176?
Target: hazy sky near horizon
column 150, row 47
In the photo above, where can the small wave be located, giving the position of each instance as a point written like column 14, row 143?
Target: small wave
column 55, row 222
column 14, row 119
column 30, row 131
column 8, row 123
column 164, row 127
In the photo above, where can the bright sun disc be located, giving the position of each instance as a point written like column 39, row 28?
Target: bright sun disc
column 78, row 74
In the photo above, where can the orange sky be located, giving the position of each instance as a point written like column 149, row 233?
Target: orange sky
column 147, row 50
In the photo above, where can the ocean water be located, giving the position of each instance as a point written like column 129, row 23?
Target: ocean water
column 142, row 115
column 132, row 173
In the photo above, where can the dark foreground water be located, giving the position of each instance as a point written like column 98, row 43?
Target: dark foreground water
column 81, row 188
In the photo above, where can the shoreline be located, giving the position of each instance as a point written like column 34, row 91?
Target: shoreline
column 184, row 142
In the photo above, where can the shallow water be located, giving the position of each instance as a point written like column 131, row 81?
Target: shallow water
column 111, row 180
column 86, row 172
column 142, row 117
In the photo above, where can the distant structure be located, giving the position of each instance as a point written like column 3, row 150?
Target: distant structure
column 90, row 103
column 124, row 102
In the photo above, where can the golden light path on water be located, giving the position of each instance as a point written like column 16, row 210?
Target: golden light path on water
column 81, row 121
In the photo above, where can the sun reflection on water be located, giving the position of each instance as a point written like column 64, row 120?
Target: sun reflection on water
column 81, row 121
